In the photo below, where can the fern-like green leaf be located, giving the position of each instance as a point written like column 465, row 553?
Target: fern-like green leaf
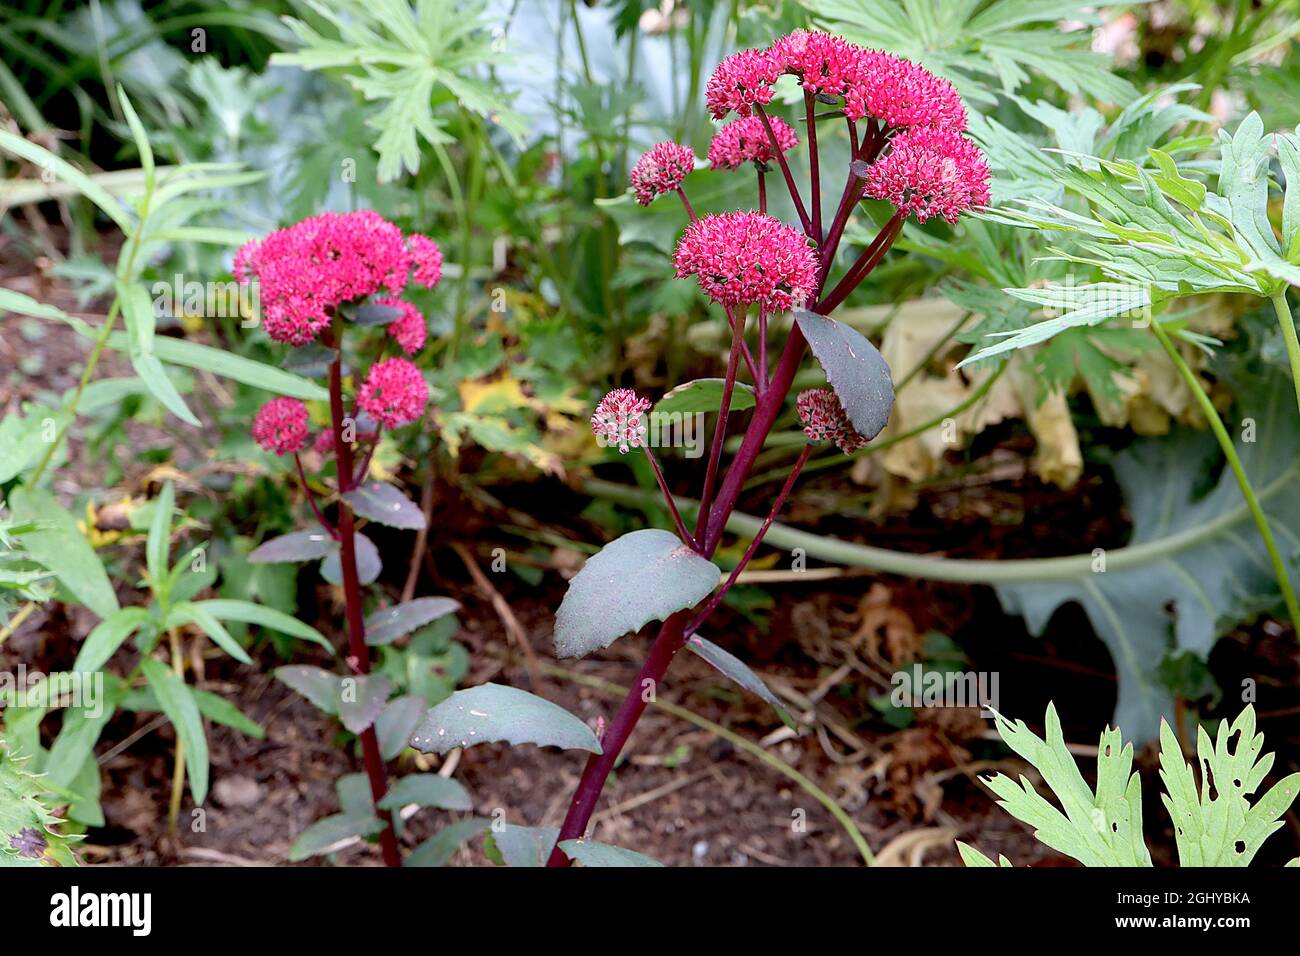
column 1218, row 826
column 1097, row 829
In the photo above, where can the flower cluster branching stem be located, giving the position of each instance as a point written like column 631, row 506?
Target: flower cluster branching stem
column 358, row 652
column 772, row 386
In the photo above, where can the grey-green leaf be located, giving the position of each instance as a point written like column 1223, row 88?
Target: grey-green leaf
column 380, row 501
column 368, row 563
column 390, row 623
column 437, row 850
column 295, row 546
column 327, row 831
column 854, row 368
column 703, row 395
column 361, row 700
column 427, row 790
column 643, row 576
column 397, row 722
column 524, row 846
column 316, row 684
column 492, row 712
column 731, row 666
column 589, row 853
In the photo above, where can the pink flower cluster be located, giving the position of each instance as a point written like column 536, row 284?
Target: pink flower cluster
column 873, row 83
column 618, row 420
column 661, row 170
column 281, row 425
column 309, row 269
column 824, row 419
column 742, row 258
column 408, row 329
column 741, row 81
column 426, row 258
column 393, row 393
column 930, row 172
column 745, row 140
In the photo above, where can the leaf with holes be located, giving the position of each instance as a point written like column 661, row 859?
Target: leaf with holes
column 492, row 712
column 1097, row 829
column 703, row 395
column 643, row 576
column 855, row 370
column 1220, row 826
column 381, row 502
column 387, row 625
column 731, row 666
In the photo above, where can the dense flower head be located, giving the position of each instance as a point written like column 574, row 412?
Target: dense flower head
column 930, row 172
column 902, row 94
column 745, row 140
column 620, row 420
column 875, row 84
column 281, row 425
column 825, row 64
column 308, row 269
column 742, row 258
column 408, row 329
column 741, row 81
column 661, row 170
column 393, row 393
column 824, row 419
column 426, row 258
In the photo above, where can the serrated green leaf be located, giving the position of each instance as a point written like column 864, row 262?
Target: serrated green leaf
column 590, row 853
column 1219, row 826
column 1097, row 829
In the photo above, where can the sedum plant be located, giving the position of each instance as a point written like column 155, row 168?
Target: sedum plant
column 776, row 285
column 1214, row 825
column 330, row 289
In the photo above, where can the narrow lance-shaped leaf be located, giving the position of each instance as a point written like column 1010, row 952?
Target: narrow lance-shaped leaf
column 177, row 702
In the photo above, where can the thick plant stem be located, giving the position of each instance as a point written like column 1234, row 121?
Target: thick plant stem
column 359, row 653
column 777, row 505
column 671, row 639
column 1287, row 322
column 1239, row 472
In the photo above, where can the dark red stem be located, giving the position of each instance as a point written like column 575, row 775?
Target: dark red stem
column 785, row 171
column 357, row 649
column 814, row 173
column 685, row 535
column 753, row 545
column 665, row 647
column 869, row 259
column 690, row 210
column 762, row 192
column 311, row 499
column 720, row 426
